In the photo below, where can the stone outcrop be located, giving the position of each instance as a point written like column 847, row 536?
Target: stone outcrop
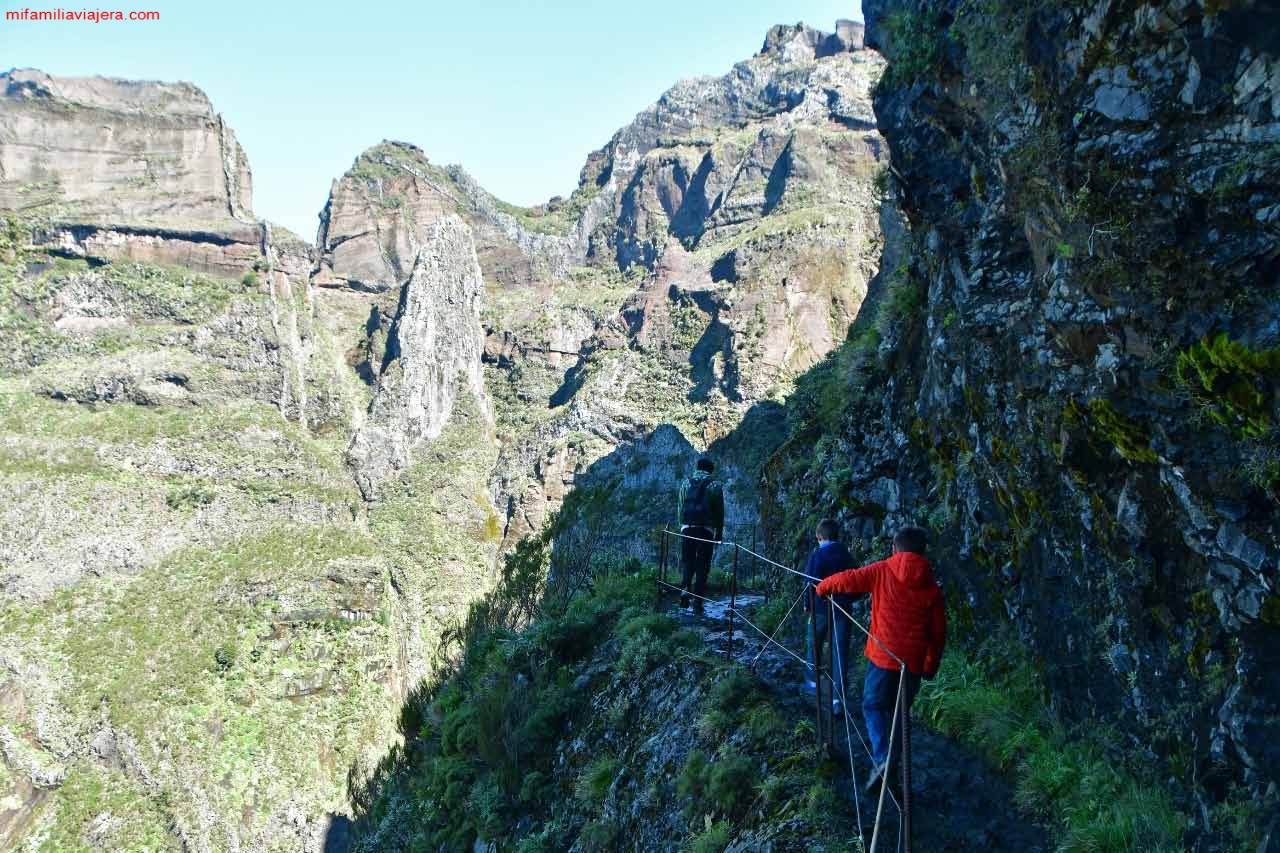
column 432, row 354
column 378, row 212
column 1072, row 375
column 126, row 169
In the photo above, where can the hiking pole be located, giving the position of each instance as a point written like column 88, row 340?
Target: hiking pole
column 906, row 775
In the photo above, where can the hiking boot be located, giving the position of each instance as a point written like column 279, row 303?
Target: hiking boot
column 684, row 599
column 697, row 609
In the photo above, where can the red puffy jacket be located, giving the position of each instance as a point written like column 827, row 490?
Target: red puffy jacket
column 907, row 613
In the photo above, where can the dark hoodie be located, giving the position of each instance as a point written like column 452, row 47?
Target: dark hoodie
column 907, row 614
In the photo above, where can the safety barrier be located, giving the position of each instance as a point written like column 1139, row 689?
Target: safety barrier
column 900, row 722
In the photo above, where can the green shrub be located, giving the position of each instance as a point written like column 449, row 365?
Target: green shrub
column 655, row 624
column 769, row 616
column 224, row 657
column 188, row 497
column 915, row 47
column 1096, row 804
column 487, row 809
column 598, row 836
column 820, row 802
column 650, row 640
column 692, row 781
column 595, row 780
column 713, row 725
column 1234, row 385
column 735, row 690
column 533, row 788
column 903, row 301
column 764, row 727
column 541, row 729
column 713, row 839
column 731, row 782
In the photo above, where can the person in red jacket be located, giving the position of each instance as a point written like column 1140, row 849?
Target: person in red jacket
column 908, row 626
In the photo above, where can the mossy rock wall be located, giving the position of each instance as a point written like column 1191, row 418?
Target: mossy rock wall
column 1070, row 376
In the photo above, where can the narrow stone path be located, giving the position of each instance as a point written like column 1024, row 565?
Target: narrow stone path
column 960, row 803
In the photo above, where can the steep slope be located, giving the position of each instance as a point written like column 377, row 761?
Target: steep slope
column 251, row 483
column 1072, row 374
column 203, row 628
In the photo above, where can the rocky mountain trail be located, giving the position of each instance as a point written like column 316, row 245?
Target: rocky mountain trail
column 959, row 802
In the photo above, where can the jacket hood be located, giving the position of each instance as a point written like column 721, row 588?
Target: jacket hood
column 911, row 569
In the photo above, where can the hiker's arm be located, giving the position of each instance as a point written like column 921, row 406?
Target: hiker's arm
column 937, row 638
column 852, row 580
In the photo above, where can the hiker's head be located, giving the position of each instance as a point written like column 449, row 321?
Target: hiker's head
column 828, row 531
column 705, row 464
column 913, row 539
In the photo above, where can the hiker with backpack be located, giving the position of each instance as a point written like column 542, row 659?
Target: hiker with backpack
column 908, row 624
column 700, row 508
column 831, row 625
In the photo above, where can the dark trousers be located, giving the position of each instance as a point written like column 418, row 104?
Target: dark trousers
column 695, row 558
column 879, row 694
column 836, row 631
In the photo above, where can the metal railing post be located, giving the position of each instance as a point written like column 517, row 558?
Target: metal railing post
column 733, row 604
column 831, row 668
column 817, row 669
column 662, row 570
column 906, row 772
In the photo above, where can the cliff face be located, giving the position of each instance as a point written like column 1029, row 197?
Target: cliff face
column 432, row 355
column 204, row 627
column 742, row 214
column 126, row 169
column 1071, row 374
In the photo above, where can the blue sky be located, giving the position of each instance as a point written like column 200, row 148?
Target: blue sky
column 517, row 92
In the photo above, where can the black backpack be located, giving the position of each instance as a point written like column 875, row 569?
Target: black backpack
column 697, row 503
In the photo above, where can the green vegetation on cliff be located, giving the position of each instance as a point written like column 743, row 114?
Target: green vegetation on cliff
column 577, row 715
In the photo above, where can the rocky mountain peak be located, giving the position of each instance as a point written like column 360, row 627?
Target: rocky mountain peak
column 109, row 93
column 799, row 42
column 126, row 169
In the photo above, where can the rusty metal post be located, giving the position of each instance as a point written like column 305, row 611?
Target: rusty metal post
column 905, row 723
column 817, row 669
column 733, row 604
column 831, row 668
column 662, row 570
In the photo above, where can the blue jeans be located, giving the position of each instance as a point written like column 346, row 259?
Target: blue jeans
column 879, row 693
column 839, row 651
